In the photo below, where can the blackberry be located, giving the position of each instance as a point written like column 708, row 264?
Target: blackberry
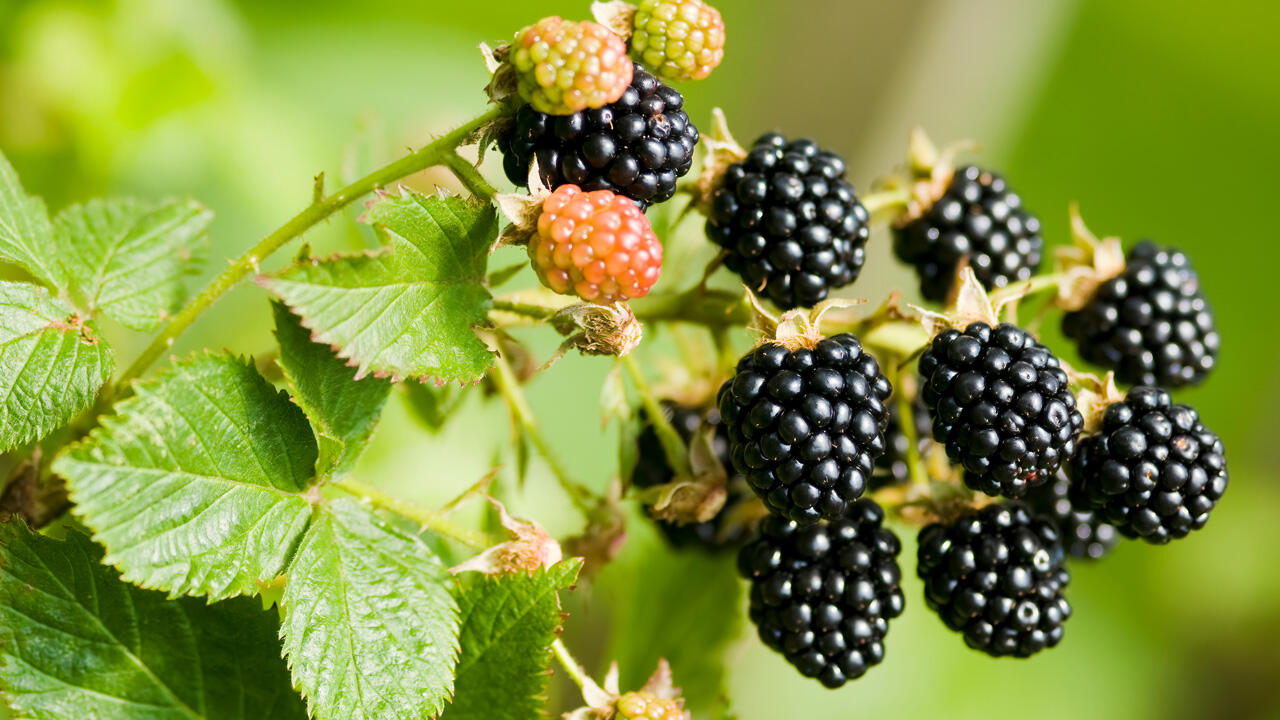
column 638, row 146
column 997, row 576
column 1001, row 405
column 891, row 467
column 1084, row 534
column 823, row 595
column 805, row 426
column 1154, row 471
column 979, row 218
column 1151, row 324
column 652, row 469
column 790, row 222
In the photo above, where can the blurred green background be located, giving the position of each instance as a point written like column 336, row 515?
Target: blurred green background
column 1159, row 117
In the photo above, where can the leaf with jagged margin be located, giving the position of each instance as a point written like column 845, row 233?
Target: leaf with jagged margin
column 52, row 363
column 130, row 259
column 343, row 411
column 77, row 642
column 197, row 485
column 410, row 310
column 26, row 235
column 508, row 625
column 370, row 627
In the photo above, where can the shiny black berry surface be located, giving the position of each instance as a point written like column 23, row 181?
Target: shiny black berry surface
column 1001, row 405
column 1152, row 324
column 823, row 595
column 639, row 146
column 806, row 426
column 1154, row 471
column 791, row 224
column 653, row 469
column 997, row 576
column 1084, row 534
column 980, row 219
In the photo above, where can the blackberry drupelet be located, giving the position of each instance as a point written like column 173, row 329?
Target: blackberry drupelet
column 790, row 222
column 805, row 426
column 1001, row 405
column 997, row 576
column 1084, row 534
column 891, row 467
column 1154, row 471
column 638, row 146
column 823, row 595
column 653, row 469
column 979, row 218
column 1151, row 324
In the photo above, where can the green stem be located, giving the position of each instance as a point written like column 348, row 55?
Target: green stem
column 469, row 176
column 591, row 692
column 907, row 424
column 538, row 312
column 1028, row 288
column 433, row 520
column 672, row 446
column 435, row 153
column 884, row 200
column 509, row 387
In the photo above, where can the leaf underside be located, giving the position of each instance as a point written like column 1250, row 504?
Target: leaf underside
column 77, row 642
column 370, row 627
column 196, row 485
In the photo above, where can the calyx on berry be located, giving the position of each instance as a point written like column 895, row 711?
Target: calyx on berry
column 1085, row 264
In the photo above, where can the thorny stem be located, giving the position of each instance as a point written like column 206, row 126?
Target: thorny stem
column 509, row 387
column 672, row 446
column 469, row 176
column 537, row 312
column 433, row 520
column 590, row 690
column 438, row 151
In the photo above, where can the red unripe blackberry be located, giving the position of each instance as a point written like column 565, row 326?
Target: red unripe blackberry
column 979, row 218
column 1084, row 534
column 823, row 595
column 791, row 224
column 596, row 245
column 652, row 469
column 1151, row 324
column 562, row 66
column 1001, row 405
column 997, row 576
column 891, row 467
column 638, row 146
column 1154, row 471
column 805, row 426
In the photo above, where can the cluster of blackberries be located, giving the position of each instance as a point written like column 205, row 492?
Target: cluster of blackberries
column 790, row 224
column 638, row 146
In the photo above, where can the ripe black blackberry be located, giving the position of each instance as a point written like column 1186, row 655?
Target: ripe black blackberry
column 997, row 576
column 1151, row 324
column 891, row 467
column 653, row 469
column 638, row 146
column 823, row 595
column 790, row 222
column 1084, row 534
column 805, row 426
column 1154, row 471
column 1001, row 405
column 978, row 217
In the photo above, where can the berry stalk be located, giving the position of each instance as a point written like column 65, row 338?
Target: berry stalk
column 672, row 446
column 433, row 520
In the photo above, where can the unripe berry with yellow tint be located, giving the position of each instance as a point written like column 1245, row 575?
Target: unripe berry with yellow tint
column 678, row 39
column 596, row 245
column 563, row 67
column 645, row 706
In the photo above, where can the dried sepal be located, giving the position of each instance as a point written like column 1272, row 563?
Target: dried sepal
column 522, row 210
column 721, row 151
column 616, row 15
column 802, row 327
column 930, row 172
column 971, row 304
column 529, row 549
column 1094, row 397
column 693, row 500
column 597, row 330
column 502, row 87
column 1085, row 264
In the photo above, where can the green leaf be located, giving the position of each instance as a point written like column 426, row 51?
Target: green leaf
column 370, row 628
column 26, row 235
column 410, row 311
column 432, row 405
column 343, row 411
column 197, row 485
column 52, row 363
column 508, row 625
column 76, row 642
column 129, row 259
